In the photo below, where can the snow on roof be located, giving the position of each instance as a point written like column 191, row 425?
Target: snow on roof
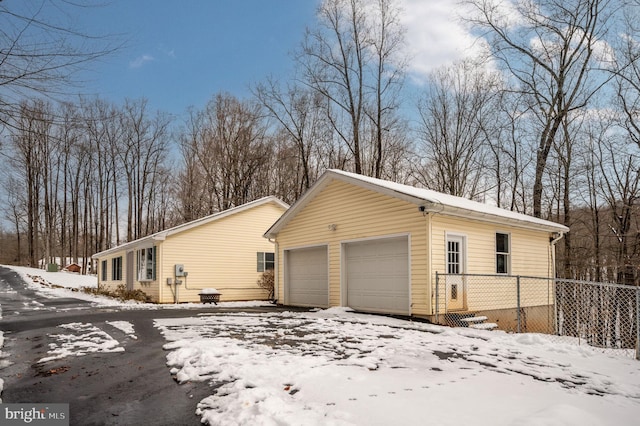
column 162, row 235
column 432, row 201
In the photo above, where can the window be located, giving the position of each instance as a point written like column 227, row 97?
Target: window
column 453, row 257
column 103, row 270
column 116, row 268
column 502, row 253
column 266, row 261
column 147, row 264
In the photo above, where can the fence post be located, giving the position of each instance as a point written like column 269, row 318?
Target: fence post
column 437, row 300
column 554, row 294
column 518, row 297
column 638, row 323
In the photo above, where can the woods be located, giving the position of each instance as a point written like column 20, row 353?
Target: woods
column 545, row 123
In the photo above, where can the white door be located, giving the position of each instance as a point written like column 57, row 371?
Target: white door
column 307, row 277
column 455, row 267
column 377, row 275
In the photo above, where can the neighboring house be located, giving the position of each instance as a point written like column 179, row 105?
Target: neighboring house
column 225, row 251
column 376, row 246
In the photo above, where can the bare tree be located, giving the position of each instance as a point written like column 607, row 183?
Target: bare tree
column 299, row 113
column 142, row 151
column 225, row 146
column 352, row 60
column 41, row 50
column 456, row 113
column 549, row 47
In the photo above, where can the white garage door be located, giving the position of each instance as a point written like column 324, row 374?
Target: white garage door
column 378, row 275
column 307, row 281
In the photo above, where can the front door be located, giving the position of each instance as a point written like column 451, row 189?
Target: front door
column 455, row 269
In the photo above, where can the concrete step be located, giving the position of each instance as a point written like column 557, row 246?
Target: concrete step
column 474, row 320
column 484, row 326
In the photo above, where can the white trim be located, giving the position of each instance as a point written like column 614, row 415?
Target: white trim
column 376, row 237
column 464, row 250
column 463, row 266
column 509, row 252
column 430, row 201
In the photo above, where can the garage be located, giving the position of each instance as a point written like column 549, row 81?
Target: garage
column 307, row 280
column 377, row 275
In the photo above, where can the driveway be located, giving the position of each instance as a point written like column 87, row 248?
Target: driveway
column 125, row 382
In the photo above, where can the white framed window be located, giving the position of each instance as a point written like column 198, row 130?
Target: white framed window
column 116, row 268
column 266, row 261
column 503, row 253
column 147, row 264
column 103, row 270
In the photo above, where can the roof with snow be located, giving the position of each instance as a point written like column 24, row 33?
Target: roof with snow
column 431, row 201
column 162, row 235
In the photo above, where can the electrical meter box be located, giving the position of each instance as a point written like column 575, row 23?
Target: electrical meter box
column 179, row 271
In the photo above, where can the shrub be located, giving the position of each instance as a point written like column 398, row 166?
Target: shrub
column 122, row 293
column 267, row 282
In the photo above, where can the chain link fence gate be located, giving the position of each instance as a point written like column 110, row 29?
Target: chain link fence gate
column 601, row 315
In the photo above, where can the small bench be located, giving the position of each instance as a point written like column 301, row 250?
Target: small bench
column 209, row 295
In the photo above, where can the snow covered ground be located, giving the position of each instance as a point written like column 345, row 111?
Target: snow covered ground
column 340, row 368
column 336, row 367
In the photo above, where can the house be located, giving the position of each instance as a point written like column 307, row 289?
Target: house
column 377, row 246
column 225, row 251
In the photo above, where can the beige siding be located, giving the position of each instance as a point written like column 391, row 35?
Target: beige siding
column 530, row 256
column 110, row 284
column 221, row 254
column 357, row 213
column 530, row 253
column 150, row 288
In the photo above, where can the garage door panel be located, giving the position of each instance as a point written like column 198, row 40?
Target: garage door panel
column 307, row 277
column 378, row 275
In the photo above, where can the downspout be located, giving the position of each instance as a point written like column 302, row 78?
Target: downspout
column 552, row 245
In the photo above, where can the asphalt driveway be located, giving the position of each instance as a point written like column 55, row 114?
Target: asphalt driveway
column 126, row 387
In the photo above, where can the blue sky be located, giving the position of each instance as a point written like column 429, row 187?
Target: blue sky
column 178, row 54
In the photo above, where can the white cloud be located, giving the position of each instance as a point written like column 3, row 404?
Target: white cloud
column 436, row 36
column 140, row 61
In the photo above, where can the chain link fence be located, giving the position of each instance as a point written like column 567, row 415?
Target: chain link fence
column 601, row 315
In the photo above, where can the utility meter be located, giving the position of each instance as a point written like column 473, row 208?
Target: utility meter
column 180, row 271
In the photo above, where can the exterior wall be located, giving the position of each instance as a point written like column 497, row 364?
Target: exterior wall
column 109, row 284
column 220, row 254
column 149, row 287
column 358, row 213
column 530, row 255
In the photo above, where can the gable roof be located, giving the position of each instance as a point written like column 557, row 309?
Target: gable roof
column 149, row 240
column 431, row 201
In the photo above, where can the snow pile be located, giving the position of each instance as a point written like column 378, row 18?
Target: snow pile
column 56, row 279
column 336, row 367
column 85, row 338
